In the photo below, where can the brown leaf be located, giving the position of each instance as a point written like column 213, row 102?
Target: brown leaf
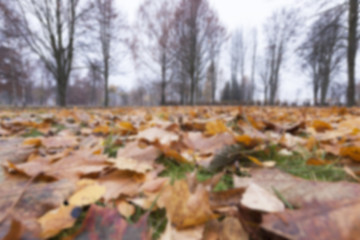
column 132, row 150
column 186, row 209
column 228, row 229
column 322, row 221
column 298, row 191
column 15, row 231
column 101, row 224
column 72, row 167
column 157, row 134
column 121, row 183
column 171, row 233
column 198, row 142
column 59, row 142
column 37, row 199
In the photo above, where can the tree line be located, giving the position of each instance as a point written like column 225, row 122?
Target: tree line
column 68, row 50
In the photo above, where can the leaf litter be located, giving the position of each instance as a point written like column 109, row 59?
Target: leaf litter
column 180, row 173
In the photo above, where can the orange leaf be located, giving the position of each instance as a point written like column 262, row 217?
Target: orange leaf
column 352, row 152
column 321, row 126
column 317, row 162
column 102, row 129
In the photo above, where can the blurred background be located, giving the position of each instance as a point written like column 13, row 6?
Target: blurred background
column 178, row 52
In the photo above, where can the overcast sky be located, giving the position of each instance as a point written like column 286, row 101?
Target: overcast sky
column 246, row 14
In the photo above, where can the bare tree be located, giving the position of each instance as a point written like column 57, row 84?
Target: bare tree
column 108, row 24
column 195, row 24
column 323, row 51
column 352, row 50
column 280, row 29
column 253, row 64
column 155, row 24
column 49, row 30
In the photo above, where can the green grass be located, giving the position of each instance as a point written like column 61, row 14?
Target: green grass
column 33, row 133
column 157, row 221
column 296, row 165
column 174, row 169
column 110, row 147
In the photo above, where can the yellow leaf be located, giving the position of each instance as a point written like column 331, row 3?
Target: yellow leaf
column 129, row 164
column 55, row 221
column 87, row 195
column 311, row 143
column 125, row 209
column 246, row 140
column 352, row 152
column 255, row 160
column 215, row 127
column 127, row 127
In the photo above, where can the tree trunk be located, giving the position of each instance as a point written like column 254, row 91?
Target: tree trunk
column 106, row 84
column 61, row 93
column 163, row 81
column 351, row 50
column 192, row 91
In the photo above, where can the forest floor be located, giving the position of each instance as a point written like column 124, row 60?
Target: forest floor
column 180, row 173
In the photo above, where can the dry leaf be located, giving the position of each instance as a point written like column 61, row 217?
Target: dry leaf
column 298, row 191
column 186, row 209
column 87, row 195
column 257, row 198
column 54, row 221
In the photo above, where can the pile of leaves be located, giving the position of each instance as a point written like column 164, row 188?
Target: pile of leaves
column 180, row 173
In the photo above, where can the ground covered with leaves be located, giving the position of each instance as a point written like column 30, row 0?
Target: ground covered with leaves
column 180, row 173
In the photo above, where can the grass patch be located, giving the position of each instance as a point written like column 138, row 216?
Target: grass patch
column 157, row 221
column 33, row 133
column 110, row 146
column 59, row 127
column 296, row 165
column 174, row 169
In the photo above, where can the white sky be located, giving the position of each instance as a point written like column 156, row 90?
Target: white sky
column 246, row 14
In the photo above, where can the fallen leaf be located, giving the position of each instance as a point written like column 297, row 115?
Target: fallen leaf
column 54, row 221
column 119, row 183
column 125, row 209
column 132, row 150
column 129, row 164
column 229, row 229
column 321, row 126
column 59, row 142
column 87, row 195
column 186, row 209
column 153, row 134
column 171, row 233
column 322, row 221
column 298, row 191
column 257, row 198
column 317, row 162
column 37, row 200
column 101, row 224
column 215, row 127
column 352, row 152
